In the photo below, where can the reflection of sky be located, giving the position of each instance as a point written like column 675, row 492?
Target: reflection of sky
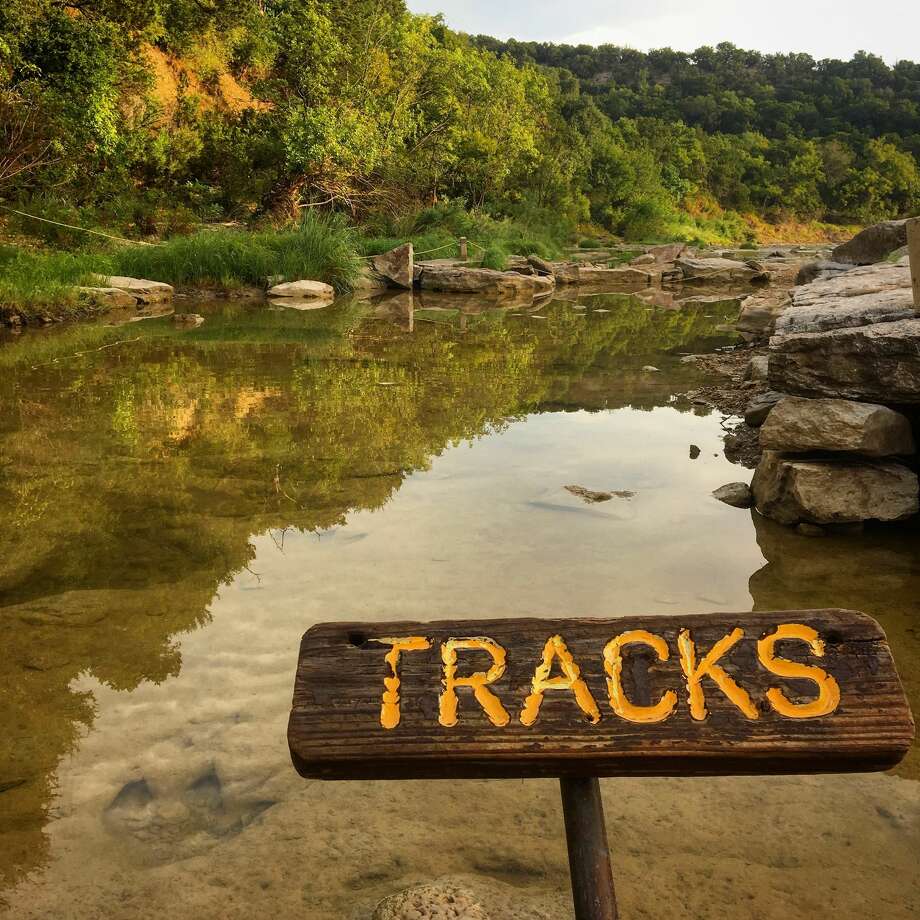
column 822, row 29
column 489, row 530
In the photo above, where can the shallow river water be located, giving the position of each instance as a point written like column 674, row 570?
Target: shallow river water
column 178, row 507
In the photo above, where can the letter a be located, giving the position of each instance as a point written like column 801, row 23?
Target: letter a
column 828, row 689
column 708, row 668
column 389, row 707
column 447, row 703
column 570, row 679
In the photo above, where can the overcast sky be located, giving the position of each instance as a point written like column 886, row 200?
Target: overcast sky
column 889, row 28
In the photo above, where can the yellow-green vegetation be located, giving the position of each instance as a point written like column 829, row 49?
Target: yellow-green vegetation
column 152, row 118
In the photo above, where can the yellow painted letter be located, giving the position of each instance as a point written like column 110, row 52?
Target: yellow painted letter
column 828, row 690
column 709, row 668
column 389, row 708
column 570, row 679
column 613, row 662
column 486, row 698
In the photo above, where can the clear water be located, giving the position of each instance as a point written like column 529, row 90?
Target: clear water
column 177, row 507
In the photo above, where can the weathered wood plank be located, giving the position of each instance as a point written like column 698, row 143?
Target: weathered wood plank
column 605, row 726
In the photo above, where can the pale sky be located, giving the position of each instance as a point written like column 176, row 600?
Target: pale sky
column 888, row 28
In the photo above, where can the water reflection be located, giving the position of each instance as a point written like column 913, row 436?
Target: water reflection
column 177, row 506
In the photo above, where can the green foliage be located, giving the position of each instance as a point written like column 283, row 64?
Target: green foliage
column 150, row 118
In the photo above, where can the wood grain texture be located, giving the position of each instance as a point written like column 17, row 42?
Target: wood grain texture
column 335, row 732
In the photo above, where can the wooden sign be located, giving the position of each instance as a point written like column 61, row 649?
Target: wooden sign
column 744, row 693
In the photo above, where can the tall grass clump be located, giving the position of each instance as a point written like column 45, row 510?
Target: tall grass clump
column 33, row 283
column 318, row 248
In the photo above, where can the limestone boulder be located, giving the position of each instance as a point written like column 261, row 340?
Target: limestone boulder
column 721, row 271
column 860, row 297
column 736, row 494
column 874, row 363
column 303, row 290
column 804, row 425
column 792, row 490
column 395, row 267
column 760, row 406
column 760, row 312
column 463, row 280
column 668, row 252
column 141, row 289
column 540, row 266
column 577, row 273
column 873, row 244
column 107, row 298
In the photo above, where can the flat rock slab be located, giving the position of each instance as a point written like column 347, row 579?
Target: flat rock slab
column 721, row 270
column 862, row 296
column 875, row 363
column 107, row 297
column 140, row 288
column 790, row 490
column 461, row 280
column 303, row 290
column 798, row 424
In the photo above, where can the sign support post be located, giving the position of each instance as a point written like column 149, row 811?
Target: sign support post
column 589, row 858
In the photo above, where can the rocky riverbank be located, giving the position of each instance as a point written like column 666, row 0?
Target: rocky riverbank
column 836, row 392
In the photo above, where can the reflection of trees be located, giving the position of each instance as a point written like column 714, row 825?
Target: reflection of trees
column 877, row 572
column 132, row 478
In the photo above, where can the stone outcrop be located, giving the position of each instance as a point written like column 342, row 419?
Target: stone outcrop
column 873, row 244
column 142, row 290
column 793, row 489
column 874, row 363
column 106, row 298
column 303, row 290
column 395, row 268
column 462, row 280
column 862, row 296
column 540, row 265
column 803, row 425
column 721, row 271
column 580, row 273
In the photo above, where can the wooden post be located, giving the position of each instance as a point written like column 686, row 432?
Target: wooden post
column 589, row 858
column 913, row 250
column 464, row 252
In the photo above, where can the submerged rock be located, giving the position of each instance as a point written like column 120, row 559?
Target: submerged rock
column 791, row 490
column 188, row 320
column 797, row 424
column 304, row 289
column 873, row 244
column 736, row 494
column 444, row 901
